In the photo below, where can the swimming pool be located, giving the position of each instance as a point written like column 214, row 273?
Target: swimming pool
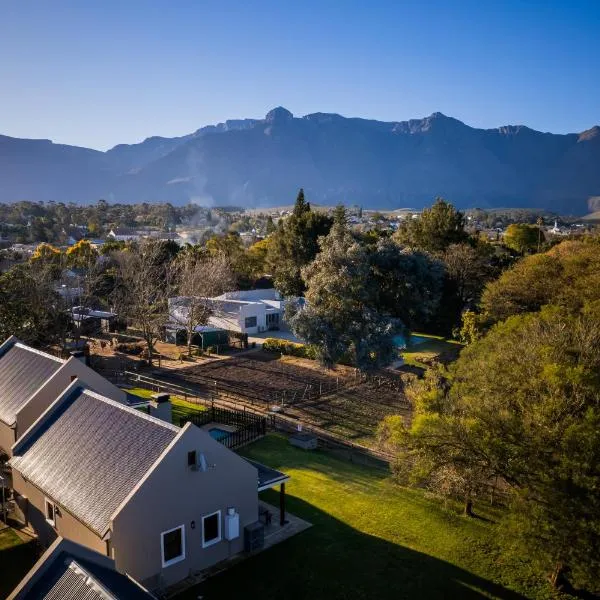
column 414, row 340
column 218, row 434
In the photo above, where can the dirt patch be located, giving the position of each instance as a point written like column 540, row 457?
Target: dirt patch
column 264, row 377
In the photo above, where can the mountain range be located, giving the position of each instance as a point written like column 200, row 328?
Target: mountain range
column 263, row 162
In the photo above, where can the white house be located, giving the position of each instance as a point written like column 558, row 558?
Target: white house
column 251, row 311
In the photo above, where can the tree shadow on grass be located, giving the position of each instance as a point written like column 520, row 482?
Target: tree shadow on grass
column 334, row 561
column 15, row 562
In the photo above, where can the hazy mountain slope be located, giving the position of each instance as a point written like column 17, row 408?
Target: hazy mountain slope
column 41, row 170
column 336, row 159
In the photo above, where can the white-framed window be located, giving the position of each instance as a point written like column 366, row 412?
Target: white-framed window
column 172, row 546
column 50, row 512
column 211, row 529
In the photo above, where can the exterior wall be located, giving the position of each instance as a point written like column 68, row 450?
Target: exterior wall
column 52, row 389
column 253, row 310
column 7, row 437
column 174, row 495
column 67, row 525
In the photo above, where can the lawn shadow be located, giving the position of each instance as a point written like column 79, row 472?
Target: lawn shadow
column 332, row 560
column 15, row 562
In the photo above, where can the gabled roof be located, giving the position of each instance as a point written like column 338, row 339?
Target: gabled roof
column 23, row 370
column 68, row 571
column 87, row 453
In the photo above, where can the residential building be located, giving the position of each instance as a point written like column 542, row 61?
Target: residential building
column 67, row 571
column 161, row 501
column 124, row 234
column 248, row 311
column 30, row 380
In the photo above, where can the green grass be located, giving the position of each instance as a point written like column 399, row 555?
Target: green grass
column 16, row 558
column 180, row 407
column 370, row 540
column 419, row 354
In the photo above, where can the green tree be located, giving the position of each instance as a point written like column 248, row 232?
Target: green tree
column 294, row 245
column 338, row 318
column 521, row 404
column 82, row 254
column 436, row 228
column 30, row 308
column 522, row 238
column 403, row 283
column 567, row 275
column 270, row 226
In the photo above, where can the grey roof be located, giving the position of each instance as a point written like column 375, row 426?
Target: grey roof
column 90, row 453
column 267, row 476
column 69, row 576
column 22, row 371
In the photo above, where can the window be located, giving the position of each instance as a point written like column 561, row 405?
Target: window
column 211, row 529
column 173, row 546
column 192, row 462
column 50, row 512
column 250, row 322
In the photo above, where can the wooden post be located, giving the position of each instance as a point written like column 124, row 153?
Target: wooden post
column 282, row 504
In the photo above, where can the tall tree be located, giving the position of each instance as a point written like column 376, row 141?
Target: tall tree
column 523, row 238
column 294, row 245
column 339, row 318
column 197, row 279
column 30, row 308
column 522, row 403
column 144, row 285
column 567, row 275
column 436, row 228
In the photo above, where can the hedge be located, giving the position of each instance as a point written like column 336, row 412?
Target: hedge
column 290, row 348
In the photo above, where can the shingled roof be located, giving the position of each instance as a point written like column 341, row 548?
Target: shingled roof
column 22, row 371
column 68, row 571
column 88, row 453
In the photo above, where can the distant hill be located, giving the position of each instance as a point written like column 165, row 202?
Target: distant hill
column 263, row 162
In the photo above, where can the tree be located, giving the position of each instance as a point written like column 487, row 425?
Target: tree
column 338, row 318
column 144, row 284
column 197, row 279
column 468, row 267
column 82, row 255
column 30, row 308
column 405, row 284
column 294, row 245
column 46, row 254
column 567, row 275
column 522, row 404
column 270, row 226
column 436, row 228
column 522, row 238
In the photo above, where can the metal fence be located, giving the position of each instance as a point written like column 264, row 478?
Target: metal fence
column 249, row 426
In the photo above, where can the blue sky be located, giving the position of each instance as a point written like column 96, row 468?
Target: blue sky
column 101, row 73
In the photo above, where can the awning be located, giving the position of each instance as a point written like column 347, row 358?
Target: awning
column 267, row 477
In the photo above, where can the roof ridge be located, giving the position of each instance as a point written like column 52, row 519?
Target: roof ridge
column 91, row 580
column 39, row 352
column 129, row 409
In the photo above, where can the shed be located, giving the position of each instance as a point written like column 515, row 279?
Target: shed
column 211, row 336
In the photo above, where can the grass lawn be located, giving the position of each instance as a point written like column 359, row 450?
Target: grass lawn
column 370, row 540
column 16, row 558
column 419, row 354
column 181, row 408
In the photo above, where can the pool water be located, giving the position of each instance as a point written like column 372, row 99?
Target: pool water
column 414, row 340
column 218, row 434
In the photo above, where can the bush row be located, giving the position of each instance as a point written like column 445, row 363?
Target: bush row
column 290, row 348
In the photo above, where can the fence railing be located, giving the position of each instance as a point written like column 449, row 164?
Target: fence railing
column 249, row 426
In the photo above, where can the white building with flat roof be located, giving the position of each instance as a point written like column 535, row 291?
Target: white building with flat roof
column 251, row 311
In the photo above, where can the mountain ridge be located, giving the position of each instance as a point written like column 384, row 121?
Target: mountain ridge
column 262, row 162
